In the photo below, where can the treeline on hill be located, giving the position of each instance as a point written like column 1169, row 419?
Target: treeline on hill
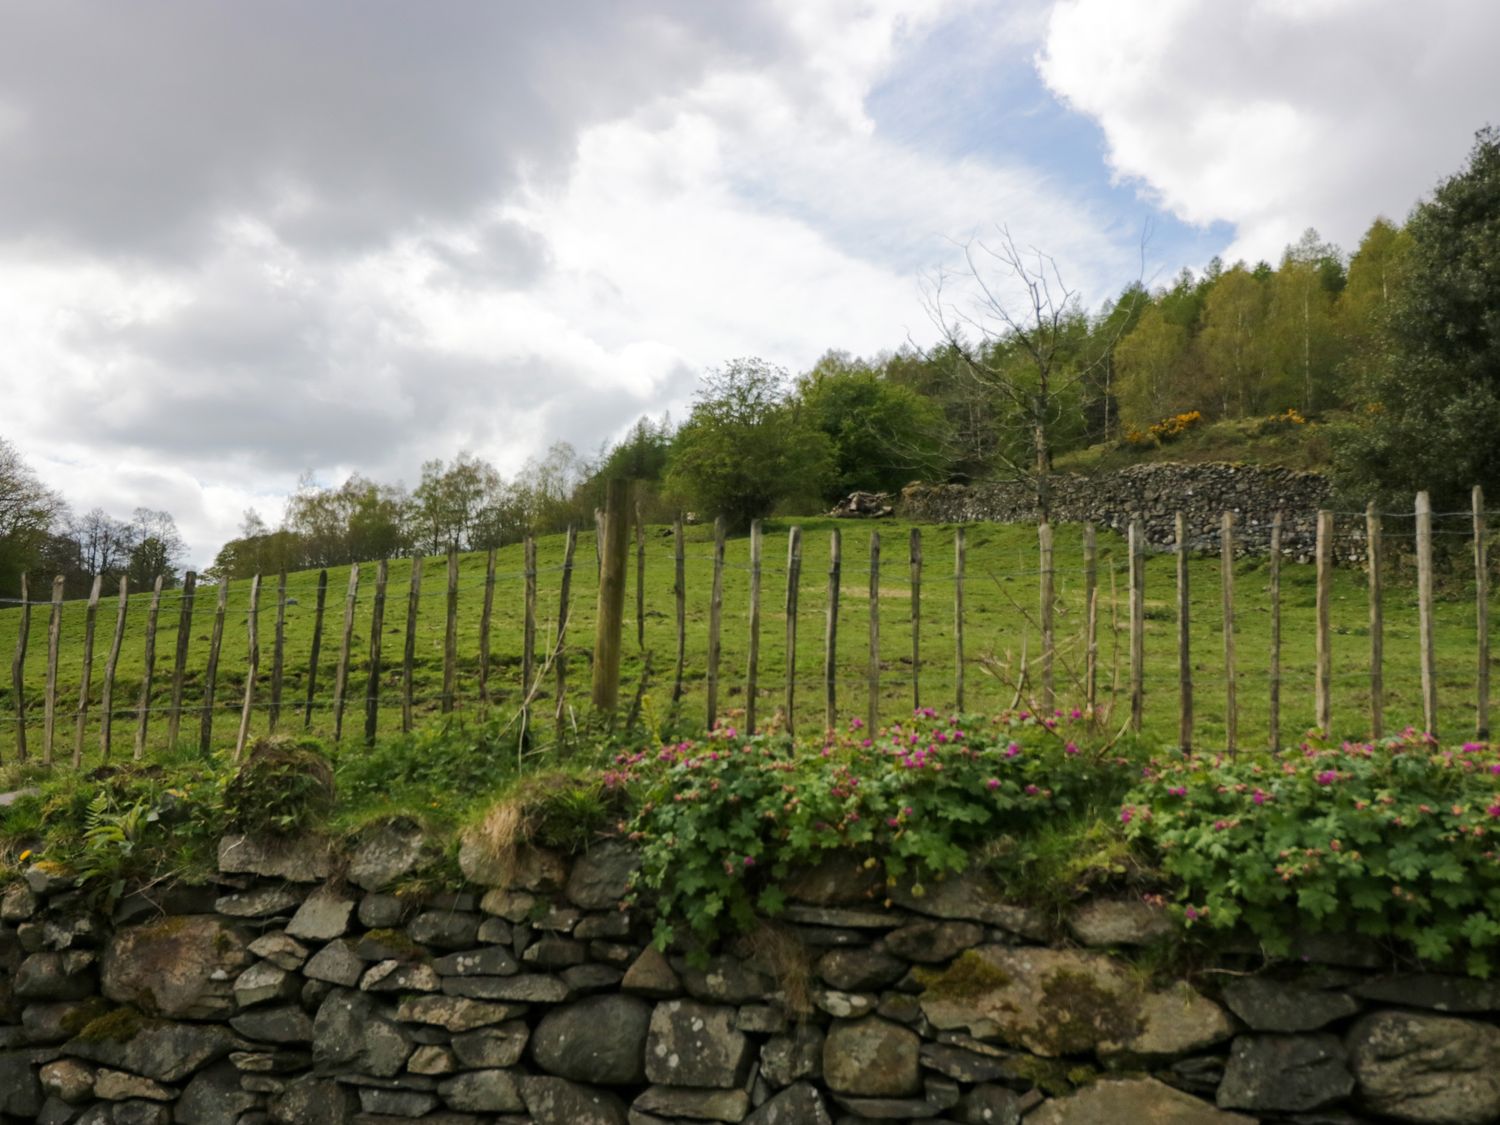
column 1396, row 349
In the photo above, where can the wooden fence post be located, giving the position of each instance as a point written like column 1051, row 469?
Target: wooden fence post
column 1424, row 613
column 409, row 650
column 346, row 643
column 252, row 666
column 528, row 621
column 1323, row 689
column 1091, row 625
column 559, row 647
column 107, row 693
column 278, row 650
column 1184, row 642
column 752, row 673
column 1048, row 586
column 317, row 648
column 640, row 578
column 715, row 613
column 1226, row 576
column 1481, row 620
column 1377, row 619
column 679, row 598
column 81, row 718
column 210, row 672
column 831, row 631
column 485, row 612
column 793, row 580
column 609, row 618
column 914, row 557
column 450, row 635
column 180, row 653
column 18, row 671
column 143, row 710
column 599, row 525
column 377, row 623
column 960, row 556
column 1275, row 580
column 1137, row 541
column 872, row 713
column 54, row 640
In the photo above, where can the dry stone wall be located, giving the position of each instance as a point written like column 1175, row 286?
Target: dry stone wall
column 1154, row 493
column 286, row 993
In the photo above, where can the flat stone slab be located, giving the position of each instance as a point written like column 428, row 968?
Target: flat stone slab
column 1132, row 1100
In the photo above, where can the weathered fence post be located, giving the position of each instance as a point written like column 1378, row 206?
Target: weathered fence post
column 1184, row 642
column 914, row 557
column 715, row 614
column 278, row 650
column 81, row 718
column 450, row 635
column 180, row 655
column 377, row 623
column 1323, row 688
column 793, row 580
column 18, row 671
column 1137, row 540
column 960, row 556
column 752, row 672
column 1275, row 580
column 1481, row 620
column 346, row 643
column 528, row 626
column 1226, row 576
column 679, row 598
column 1048, row 585
column 409, row 650
column 252, row 666
column 1377, row 619
column 317, row 648
column 143, row 711
column 54, row 640
column 1424, row 613
column 872, row 714
column 1091, row 625
column 609, row 619
column 640, row 578
column 107, row 694
column 559, row 647
column 485, row 612
column 210, row 672
column 831, row 632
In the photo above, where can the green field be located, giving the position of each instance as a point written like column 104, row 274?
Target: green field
column 1001, row 594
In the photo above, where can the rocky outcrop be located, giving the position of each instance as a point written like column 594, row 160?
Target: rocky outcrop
column 537, row 997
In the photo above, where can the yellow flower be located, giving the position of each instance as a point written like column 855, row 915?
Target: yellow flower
column 24, row 856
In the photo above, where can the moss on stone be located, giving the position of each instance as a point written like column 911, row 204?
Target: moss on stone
column 970, row 974
column 1081, row 1013
column 397, row 941
column 119, row 1026
column 84, row 1014
column 1055, row 1077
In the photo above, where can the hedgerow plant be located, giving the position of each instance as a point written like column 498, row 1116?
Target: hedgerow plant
column 721, row 821
column 1396, row 839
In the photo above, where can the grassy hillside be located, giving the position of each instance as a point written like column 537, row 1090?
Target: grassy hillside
column 1279, row 443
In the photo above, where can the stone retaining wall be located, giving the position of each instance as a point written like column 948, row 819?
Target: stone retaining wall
column 1154, row 493
column 301, row 989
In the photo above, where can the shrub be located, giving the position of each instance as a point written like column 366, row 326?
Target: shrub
column 1393, row 839
column 283, row 787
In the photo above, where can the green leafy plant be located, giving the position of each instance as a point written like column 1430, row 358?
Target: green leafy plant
column 1396, row 839
column 283, row 787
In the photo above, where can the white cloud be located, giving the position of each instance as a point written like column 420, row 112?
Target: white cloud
column 1276, row 115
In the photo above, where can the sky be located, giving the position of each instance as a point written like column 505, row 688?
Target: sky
column 243, row 243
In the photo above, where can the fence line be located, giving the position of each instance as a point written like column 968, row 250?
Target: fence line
column 1065, row 667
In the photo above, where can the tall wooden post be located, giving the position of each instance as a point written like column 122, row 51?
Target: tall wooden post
column 409, row 651
column 1137, row 540
column 715, row 622
column 1275, row 580
column 872, row 712
column 793, row 580
column 450, row 635
column 1091, row 626
column 111, row 662
column 640, row 578
column 559, row 646
column 1377, row 620
column 752, row 674
column 346, row 644
column 252, row 666
column 1424, row 613
column 609, row 620
column 1048, row 585
column 278, row 650
column 180, row 655
column 485, row 612
column 317, row 648
column 1184, row 641
column 831, row 631
column 377, row 624
column 143, row 711
column 960, row 556
column 679, row 599
column 81, row 717
column 54, row 643
column 914, row 558
column 1481, row 620
column 1226, row 576
column 528, row 619
column 18, row 671
column 210, row 672
column 1323, row 688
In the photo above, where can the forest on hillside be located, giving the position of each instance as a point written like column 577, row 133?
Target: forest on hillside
column 1393, row 348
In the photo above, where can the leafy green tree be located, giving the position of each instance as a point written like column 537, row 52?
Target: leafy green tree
column 28, row 512
column 1232, row 342
column 1435, row 406
column 446, row 505
column 1152, row 362
column 1377, row 273
column 1303, row 345
column 747, row 446
column 157, row 550
column 883, row 435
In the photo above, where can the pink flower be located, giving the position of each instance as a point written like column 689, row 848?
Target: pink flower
column 1012, row 750
column 994, row 783
column 1125, row 815
column 1071, row 748
column 749, row 861
column 1259, row 798
column 1327, row 777
column 1191, row 913
column 1032, row 791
